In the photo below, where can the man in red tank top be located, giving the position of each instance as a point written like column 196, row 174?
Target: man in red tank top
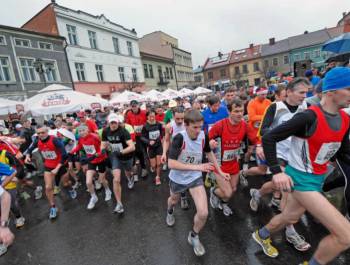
column 232, row 131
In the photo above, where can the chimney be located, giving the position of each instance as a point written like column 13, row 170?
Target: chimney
column 53, row 1
column 251, row 46
column 220, row 54
column 272, row 41
column 306, row 32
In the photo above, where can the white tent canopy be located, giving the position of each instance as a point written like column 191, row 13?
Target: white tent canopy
column 185, row 92
column 171, row 93
column 56, row 99
column 125, row 97
column 153, row 96
column 201, row 90
column 10, row 106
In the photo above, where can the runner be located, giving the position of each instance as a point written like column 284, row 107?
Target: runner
column 96, row 162
column 151, row 136
column 213, row 113
column 117, row 141
column 185, row 162
column 232, row 132
column 54, row 155
column 229, row 95
column 317, row 135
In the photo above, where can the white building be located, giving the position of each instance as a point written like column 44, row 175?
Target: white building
column 103, row 56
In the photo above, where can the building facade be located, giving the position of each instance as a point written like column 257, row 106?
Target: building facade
column 159, row 72
column 104, row 56
column 198, row 76
column 30, row 61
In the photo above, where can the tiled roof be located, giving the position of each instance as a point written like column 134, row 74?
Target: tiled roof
column 308, row 39
column 217, row 61
column 278, row 47
column 246, row 54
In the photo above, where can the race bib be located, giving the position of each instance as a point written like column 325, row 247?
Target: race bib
column 154, row 135
column 89, row 149
column 326, row 152
column 188, row 157
column 50, row 155
column 138, row 128
column 116, row 147
column 230, row 155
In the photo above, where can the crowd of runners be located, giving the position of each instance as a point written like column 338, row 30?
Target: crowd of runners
column 208, row 145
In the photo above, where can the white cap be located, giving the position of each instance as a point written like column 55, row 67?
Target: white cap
column 113, row 117
column 172, row 104
column 18, row 126
column 187, row 105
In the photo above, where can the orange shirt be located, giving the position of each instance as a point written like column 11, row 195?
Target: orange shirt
column 256, row 110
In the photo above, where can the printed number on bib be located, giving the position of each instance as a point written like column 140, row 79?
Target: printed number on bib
column 327, row 151
column 89, row 149
column 229, row 155
column 138, row 129
column 154, row 135
column 50, row 155
column 191, row 158
column 116, row 147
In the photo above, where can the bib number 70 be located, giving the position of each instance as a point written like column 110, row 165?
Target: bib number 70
column 190, row 159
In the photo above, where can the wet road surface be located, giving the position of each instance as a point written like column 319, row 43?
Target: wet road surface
column 140, row 235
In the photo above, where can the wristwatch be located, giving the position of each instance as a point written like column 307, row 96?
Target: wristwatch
column 5, row 223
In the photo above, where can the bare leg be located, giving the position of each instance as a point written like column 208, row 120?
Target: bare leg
column 200, row 200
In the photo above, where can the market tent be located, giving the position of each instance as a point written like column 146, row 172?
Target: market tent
column 56, row 99
column 171, row 93
column 185, row 92
column 153, row 96
column 124, row 98
column 201, row 90
column 10, row 106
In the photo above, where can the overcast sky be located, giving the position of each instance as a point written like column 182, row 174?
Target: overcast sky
column 202, row 27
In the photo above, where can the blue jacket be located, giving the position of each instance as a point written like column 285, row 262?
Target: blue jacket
column 210, row 118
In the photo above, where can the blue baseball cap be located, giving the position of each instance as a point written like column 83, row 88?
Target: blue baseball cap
column 337, row 78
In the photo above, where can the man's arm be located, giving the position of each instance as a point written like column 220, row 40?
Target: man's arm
column 268, row 119
column 130, row 148
column 344, row 150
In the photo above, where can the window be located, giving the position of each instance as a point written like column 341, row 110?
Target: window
column 236, row 70
column 99, row 72
column 72, row 35
column 256, row 67
column 223, row 72
column 92, row 39
column 256, row 81
column 45, row 46
column 129, row 44
column 28, row 70
column 210, row 75
column 50, row 71
column 79, row 67
column 245, row 69
column 22, row 42
column 5, row 74
column 266, row 63
column 116, row 45
column 134, row 74
column 275, row 61
column 121, row 74
column 2, row 40
column 171, row 73
column 317, row 53
column 145, row 70
column 307, row 55
column 297, row 57
column 167, row 73
column 150, row 71
column 286, row 59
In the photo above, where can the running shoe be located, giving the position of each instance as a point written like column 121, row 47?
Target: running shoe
column 92, row 202
column 170, row 219
column 108, row 195
column 214, row 200
column 243, row 179
column 131, row 182
column 226, row 209
column 73, row 193
column 158, row 182
column 165, row 167
column 198, row 248
column 268, row 249
column 56, row 190
column 98, row 185
column 19, row 222
column 53, row 213
column 119, row 208
column 254, row 201
column 144, row 173
column 298, row 242
column 184, row 203
column 38, row 193
column 275, row 202
column 3, row 249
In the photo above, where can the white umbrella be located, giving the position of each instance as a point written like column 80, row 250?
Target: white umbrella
column 10, row 106
column 201, row 90
column 185, row 92
column 125, row 97
column 171, row 93
column 56, row 99
column 153, row 96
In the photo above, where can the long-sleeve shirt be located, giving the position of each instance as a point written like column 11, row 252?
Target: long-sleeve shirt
column 256, row 110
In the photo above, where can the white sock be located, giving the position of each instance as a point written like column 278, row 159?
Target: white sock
column 290, row 230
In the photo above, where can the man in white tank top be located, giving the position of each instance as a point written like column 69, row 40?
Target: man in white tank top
column 185, row 162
